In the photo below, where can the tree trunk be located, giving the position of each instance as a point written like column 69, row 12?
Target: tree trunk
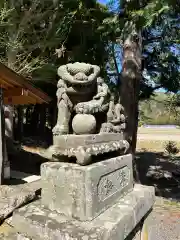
column 28, row 115
column 2, row 139
column 42, row 122
column 9, row 110
column 20, row 123
column 131, row 75
column 34, row 126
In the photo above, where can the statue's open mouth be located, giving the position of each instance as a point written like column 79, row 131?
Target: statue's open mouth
column 81, row 82
column 74, row 90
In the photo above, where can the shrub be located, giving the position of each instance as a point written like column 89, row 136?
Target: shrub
column 171, row 148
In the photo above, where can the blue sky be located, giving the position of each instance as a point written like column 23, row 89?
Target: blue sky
column 103, row 1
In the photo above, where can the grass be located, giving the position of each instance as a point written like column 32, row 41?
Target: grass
column 158, row 110
column 167, row 204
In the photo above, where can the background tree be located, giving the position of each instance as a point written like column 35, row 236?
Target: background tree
column 38, row 36
column 143, row 30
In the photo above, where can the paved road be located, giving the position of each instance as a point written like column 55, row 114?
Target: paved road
column 161, row 137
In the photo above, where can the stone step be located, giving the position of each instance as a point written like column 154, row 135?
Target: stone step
column 116, row 223
column 12, row 197
column 7, row 232
column 26, row 177
column 14, row 236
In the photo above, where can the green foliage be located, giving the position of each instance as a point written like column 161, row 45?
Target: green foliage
column 29, row 30
column 161, row 58
column 33, row 33
column 158, row 22
column 158, row 110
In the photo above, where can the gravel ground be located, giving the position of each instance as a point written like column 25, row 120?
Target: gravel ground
column 164, row 221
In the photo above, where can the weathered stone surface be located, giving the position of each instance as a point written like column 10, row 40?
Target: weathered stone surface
column 115, row 223
column 12, row 197
column 73, row 141
column 13, row 236
column 80, row 89
column 8, row 220
column 7, row 232
column 84, row 192
column 84, row 124
column 6, row 229
column 77, row 84
column 84, row 146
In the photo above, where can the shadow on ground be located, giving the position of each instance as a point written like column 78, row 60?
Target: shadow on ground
column 26, row 162
column 24, row 156
column 156, row 169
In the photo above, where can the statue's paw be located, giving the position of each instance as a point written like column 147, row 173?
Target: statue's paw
column 79, row 108
column 96, row 97
column 106, row 128
column 117, row 129
column 96, row 109
column 82, row 108
column 87, row 107
column 80, row 105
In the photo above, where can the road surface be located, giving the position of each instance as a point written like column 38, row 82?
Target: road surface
column 158, row 136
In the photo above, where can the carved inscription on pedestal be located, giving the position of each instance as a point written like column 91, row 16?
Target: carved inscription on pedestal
column 112, row 182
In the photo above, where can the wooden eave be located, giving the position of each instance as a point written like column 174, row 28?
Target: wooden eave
column 18, row 91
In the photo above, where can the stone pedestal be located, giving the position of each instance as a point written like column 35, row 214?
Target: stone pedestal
column 83, row 147
column 116, row 223
column 83, row 192
column 95, row 202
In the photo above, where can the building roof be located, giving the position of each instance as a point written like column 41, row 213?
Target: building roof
column 18, row 91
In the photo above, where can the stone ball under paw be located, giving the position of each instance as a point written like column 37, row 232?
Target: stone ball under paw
column 84, row 124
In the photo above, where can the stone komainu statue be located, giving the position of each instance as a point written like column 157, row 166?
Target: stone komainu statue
column 85, row 103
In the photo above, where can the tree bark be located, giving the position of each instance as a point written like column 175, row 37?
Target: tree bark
column 130, row 81
column 2, row 139
column 20, row 123
column 35, row 115
column 42, row 120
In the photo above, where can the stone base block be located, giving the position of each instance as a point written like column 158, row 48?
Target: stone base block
column 73, row 141
column 115, row 223
column 83, row 147
column 83, row 192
